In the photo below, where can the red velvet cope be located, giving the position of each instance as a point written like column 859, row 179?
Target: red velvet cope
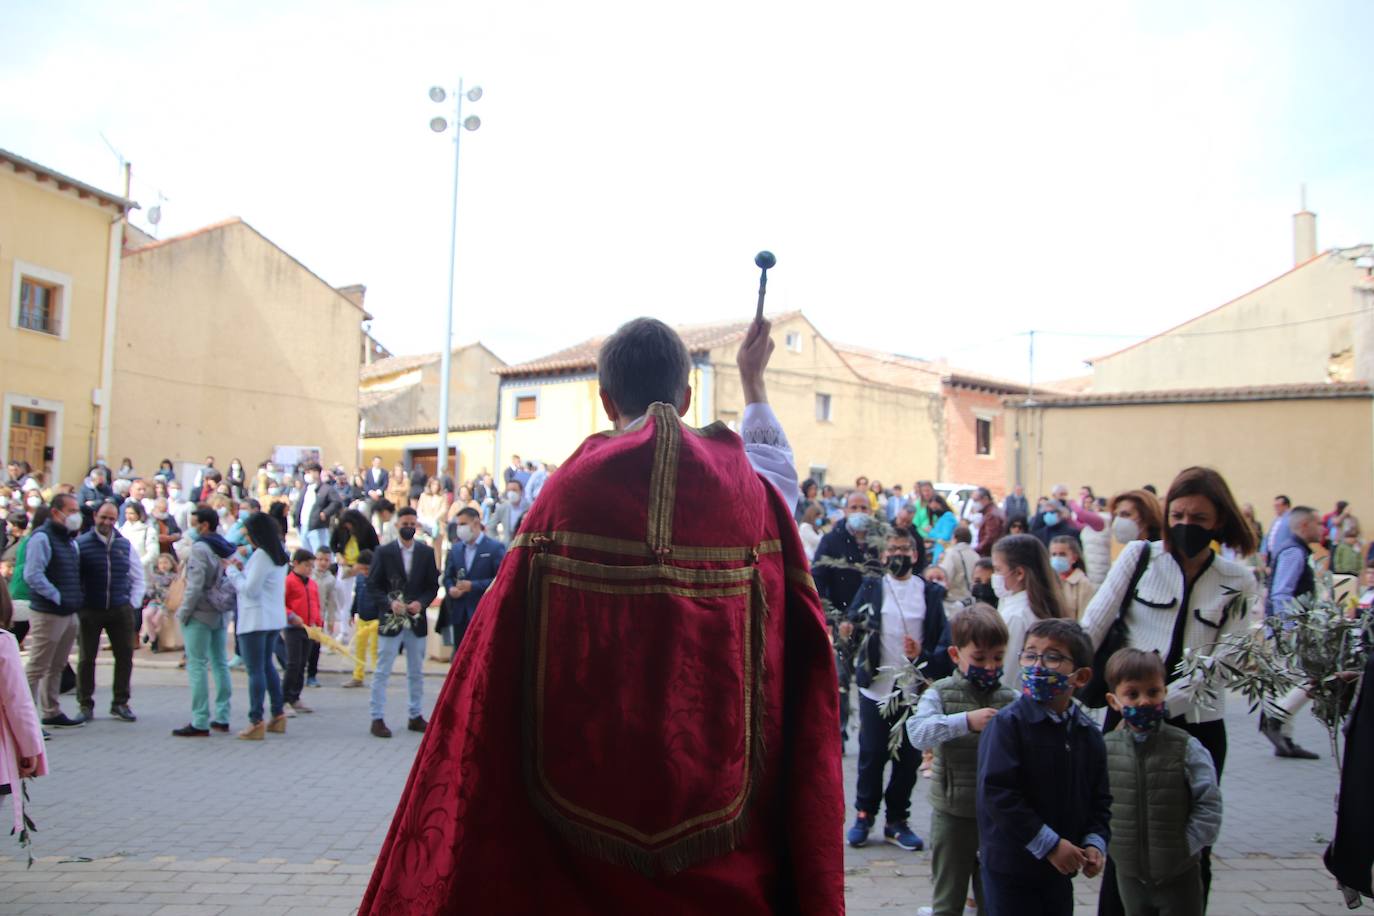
column 643, row 716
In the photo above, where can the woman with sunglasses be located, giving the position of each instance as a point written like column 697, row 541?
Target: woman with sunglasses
column 1178, row 593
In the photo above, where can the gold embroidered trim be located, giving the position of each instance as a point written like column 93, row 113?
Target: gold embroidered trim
column 656, row 571
column 640, row 549
column 801, row 577
column 663, row 477
column 629, row 848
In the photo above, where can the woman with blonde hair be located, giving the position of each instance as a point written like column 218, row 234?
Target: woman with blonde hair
column 1027, row 590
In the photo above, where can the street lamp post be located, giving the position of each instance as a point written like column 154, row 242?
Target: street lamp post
column 439, row 125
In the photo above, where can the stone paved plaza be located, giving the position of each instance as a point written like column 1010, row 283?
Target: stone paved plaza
column 133, row 821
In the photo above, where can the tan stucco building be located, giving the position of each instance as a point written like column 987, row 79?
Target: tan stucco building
column 848, row 411
column 1272, row 388
column 399, row 397
column 228, row 346
column 59, row 276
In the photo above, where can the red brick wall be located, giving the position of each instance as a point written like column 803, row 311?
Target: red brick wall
column 962, row 463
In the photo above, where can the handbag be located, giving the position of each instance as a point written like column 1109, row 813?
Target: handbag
column 1094, row 695
column 176, row 591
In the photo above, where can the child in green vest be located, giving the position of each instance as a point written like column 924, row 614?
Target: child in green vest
column 1166, row 803
column 948, row 720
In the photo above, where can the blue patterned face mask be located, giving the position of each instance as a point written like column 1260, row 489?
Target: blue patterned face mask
column 983, row 678
column 1143, row 718
column 1043, row 684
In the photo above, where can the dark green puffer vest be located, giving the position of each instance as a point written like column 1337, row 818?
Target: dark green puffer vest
column 954, row 773
column 1151, row 774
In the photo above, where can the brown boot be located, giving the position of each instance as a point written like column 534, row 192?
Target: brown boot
column 379, row 729
column 255, row 732
column 278, row 725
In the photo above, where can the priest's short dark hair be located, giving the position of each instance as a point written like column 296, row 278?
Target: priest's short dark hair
column 643, row 362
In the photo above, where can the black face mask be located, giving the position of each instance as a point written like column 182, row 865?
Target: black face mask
column 407, row 532
column 899, row 566
column 1190, row 540
column 983, row 592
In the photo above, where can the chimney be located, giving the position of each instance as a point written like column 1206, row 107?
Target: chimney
column 354, row 294
column 1304, row 233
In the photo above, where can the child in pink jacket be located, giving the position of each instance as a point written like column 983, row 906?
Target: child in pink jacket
column 21, row 738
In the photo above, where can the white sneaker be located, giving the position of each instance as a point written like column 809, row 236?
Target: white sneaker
column 926, row 911
column 289, row 711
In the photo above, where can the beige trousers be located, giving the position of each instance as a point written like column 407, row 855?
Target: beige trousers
column 50, row 641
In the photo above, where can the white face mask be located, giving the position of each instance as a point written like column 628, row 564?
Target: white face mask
column 999, row 586
column 311, row 478
column 174, row 494
column 34, row 502
column 1124, row 530
column 512, row 497
column 466, row 534
column 73, row 522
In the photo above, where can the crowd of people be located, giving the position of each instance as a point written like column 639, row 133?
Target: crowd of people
column 250, row 570
column 1022, row 606
column 1007, row 608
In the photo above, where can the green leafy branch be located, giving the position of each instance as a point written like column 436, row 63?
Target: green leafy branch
column 1313, row 644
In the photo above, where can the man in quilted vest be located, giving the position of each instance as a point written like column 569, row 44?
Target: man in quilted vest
column 1166, row 803
column 112, row 583
column 948, row 720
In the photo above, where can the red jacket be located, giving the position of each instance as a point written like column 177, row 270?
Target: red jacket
column 303, row 600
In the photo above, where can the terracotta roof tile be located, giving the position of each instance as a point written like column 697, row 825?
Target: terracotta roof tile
column 1294, row 392
column 582, row 356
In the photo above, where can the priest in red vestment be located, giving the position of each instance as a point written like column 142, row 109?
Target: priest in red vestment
column 642, row 717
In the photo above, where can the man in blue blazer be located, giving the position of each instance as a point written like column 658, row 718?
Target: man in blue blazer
column 473, row 561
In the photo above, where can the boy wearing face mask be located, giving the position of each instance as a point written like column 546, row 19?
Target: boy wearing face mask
column 900, row 620
column 472, row 563
column 1043, row 802
column 949, row 720
column 1166, row 803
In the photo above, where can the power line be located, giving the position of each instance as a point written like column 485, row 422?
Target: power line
column 1263, row 327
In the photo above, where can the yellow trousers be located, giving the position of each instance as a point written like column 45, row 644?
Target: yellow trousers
column 364, row 644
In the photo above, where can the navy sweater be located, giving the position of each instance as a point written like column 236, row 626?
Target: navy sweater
column 1034, row 772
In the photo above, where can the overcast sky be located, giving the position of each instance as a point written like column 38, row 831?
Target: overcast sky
column 935, row 178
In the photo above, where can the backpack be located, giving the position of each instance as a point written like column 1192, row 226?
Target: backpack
column 222, row 596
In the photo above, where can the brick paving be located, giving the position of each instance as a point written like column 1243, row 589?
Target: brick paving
column 133, row 821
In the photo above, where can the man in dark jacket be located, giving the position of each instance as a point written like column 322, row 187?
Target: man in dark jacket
column 318, row 506
column 404, row 581
column 1055, row 521
column 901, row 620
column 473, row 561
column 112, row 583
column 52, row 571
column 837, row 570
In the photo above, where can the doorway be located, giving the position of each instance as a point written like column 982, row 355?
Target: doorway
column 29, row 439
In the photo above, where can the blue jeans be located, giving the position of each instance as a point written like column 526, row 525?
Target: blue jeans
column 205, row 649
column 262, row 674
column 387, row 648
column 316, row 540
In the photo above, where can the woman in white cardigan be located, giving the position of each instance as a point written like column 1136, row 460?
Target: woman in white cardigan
column 261, row 587
column 1187, row 597
column 142, row 535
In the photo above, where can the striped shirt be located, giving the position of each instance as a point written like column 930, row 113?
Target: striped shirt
column 1218, row 603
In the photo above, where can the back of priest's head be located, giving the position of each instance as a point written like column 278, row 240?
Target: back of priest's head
column 643, row 362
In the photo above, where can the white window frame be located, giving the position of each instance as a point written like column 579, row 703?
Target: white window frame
column 829, row 407
column 15, row 400
column 989, row 417
column 793, row 341
column 56, row 278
